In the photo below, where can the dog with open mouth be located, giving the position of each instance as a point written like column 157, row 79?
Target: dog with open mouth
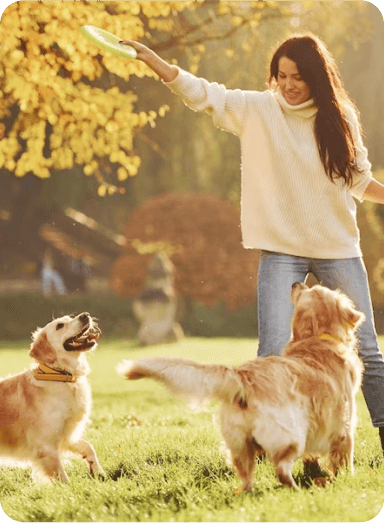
column 44, row 410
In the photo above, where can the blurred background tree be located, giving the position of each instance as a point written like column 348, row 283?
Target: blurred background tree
column 61, row 103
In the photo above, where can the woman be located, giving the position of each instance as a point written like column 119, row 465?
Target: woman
column 303, row 162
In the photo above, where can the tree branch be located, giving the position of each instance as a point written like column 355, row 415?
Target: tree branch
column 183, row 41
column 155, row 147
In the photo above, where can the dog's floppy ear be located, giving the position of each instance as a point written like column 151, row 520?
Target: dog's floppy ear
column 41, row 349
column 353, row 317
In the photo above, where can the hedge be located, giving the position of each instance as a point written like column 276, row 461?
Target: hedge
column 22, row 313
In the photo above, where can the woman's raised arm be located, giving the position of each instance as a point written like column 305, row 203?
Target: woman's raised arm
column 166, row 71
column 226, row 107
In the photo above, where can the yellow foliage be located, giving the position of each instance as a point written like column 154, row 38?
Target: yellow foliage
column 236, row 20
column 44, row 63
column 58, row 80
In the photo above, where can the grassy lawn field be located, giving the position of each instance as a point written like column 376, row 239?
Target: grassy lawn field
column 165, row 462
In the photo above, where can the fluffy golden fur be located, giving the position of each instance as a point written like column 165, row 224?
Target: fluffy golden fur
column 300, row 404
column 40, row 420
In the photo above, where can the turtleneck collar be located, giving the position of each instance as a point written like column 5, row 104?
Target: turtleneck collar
column 305, row 110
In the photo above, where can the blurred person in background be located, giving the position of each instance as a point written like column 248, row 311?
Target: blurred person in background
column 50, row 278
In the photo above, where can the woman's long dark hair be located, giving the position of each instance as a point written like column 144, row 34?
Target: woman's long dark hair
column 320, row 72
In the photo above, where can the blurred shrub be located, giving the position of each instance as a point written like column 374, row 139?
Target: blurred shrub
column 201, row 235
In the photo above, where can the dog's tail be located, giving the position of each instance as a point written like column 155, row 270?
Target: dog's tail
column 189, row 379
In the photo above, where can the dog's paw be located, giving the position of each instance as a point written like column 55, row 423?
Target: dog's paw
column 97, row 472
column 100, row 476
column 322, row 482
column 243, row 490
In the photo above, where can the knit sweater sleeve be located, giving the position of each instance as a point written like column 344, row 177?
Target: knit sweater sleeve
column 361, row 179
column 227, row 107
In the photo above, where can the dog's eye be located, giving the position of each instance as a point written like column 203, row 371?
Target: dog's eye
column 59, row 326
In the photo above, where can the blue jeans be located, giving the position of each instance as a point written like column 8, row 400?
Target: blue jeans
column 278, row 272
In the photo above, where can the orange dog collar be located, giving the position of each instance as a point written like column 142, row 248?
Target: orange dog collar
column 45, row 373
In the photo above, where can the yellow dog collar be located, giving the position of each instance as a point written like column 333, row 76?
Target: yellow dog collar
column 326, row 336
column 45, row 373
column 330, row 337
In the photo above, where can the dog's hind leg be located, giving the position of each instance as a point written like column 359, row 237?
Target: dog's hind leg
column 341, row 453
column 49, row 463
column 88, row 453
column 284, row 461
column 243, row 459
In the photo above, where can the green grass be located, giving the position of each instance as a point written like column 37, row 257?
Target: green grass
column 165, row 463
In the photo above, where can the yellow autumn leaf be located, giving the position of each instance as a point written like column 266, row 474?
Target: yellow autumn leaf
column 102, row 190
column 122, row 174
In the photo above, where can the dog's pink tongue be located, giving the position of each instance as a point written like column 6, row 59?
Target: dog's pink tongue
column 93, row 336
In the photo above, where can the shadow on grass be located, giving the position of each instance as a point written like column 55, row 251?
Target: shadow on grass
column 122, row 471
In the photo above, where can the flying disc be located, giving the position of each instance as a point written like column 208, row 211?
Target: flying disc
column 107, row 41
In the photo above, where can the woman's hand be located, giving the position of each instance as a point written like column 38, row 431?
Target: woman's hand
column 142, row 51
column 166, row 71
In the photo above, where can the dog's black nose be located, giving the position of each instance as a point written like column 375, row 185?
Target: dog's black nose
column 295, row 284
column 84, row 316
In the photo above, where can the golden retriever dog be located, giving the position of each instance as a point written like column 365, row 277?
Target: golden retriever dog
column 298, row 405
column 44, row 410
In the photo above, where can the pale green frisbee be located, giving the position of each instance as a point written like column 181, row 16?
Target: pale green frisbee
column 107, row 41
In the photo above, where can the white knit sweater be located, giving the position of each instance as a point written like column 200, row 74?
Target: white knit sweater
column 288, row 204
